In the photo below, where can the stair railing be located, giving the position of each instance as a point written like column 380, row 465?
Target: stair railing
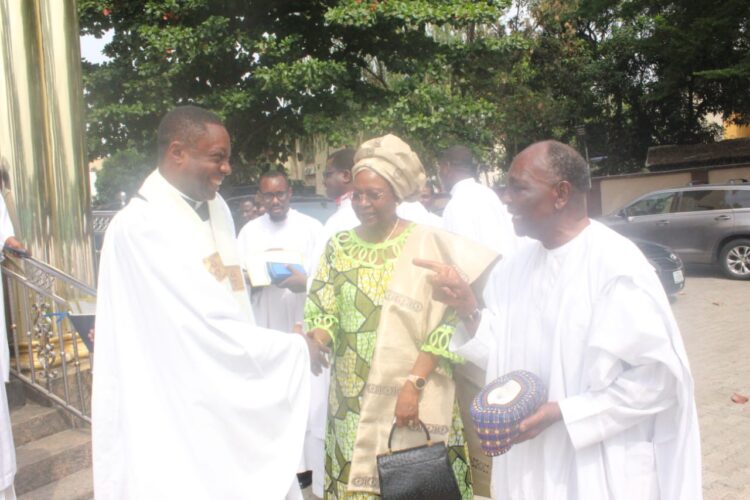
column 47, row 353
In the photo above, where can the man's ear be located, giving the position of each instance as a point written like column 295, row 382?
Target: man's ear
column 176, row 152
column 347, row 175
column 562, row 191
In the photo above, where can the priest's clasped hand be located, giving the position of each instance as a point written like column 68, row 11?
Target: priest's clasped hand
column 534, row 424
column 297, row 282
column 448, row 287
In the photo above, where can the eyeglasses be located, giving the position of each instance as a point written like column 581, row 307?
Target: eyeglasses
column 279, row 195
column 371, row 196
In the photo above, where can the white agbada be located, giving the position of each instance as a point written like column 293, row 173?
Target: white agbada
column 190, row 399
column 476, row 212
column 592, row 320
column 7, row 449
column 275, row 307
column 415, row 212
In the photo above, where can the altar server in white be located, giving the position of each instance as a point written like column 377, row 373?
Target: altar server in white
column 7, row 450
column 581, row 307
column 474, row 210
column 190, row 400
column 279, row 306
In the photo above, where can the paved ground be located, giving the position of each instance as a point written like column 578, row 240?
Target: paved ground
column 714, row 317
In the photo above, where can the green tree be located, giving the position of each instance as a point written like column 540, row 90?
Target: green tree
column 493, row 75
column 124, row 172
column 280, row 70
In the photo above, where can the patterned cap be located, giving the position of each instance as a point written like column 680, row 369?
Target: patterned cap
column 502, row 405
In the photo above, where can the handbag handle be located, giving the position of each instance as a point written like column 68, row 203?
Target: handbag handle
column 424, row 428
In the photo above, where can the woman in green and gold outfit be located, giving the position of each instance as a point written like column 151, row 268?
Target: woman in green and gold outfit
column 343, row 312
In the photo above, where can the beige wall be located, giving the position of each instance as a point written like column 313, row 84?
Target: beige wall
column 726, row 174
column 617, row 192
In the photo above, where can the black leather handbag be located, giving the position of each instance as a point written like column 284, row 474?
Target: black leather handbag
column 421, row 473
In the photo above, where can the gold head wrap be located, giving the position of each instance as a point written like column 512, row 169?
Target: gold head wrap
column 392, row 159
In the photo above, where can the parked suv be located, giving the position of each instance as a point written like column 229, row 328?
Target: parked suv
column 706, row 224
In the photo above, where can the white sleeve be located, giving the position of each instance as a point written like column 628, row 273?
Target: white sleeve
column 6, row 226
column 630, row 378
column 476, row 349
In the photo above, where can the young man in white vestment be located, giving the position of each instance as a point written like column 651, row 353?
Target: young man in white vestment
column 281, row 305
column 7, row 449
column 581, row 307
column 191, row 400
column 474, row 210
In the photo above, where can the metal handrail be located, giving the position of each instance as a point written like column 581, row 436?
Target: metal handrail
column 44, row 344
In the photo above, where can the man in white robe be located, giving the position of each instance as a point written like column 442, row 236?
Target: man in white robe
column 7, row 449
column 474, row 210
column 580, row 306
column 190, row 399
column 337, row 179
column 279, row 306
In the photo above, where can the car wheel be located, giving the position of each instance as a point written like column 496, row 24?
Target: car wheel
column 735, row 259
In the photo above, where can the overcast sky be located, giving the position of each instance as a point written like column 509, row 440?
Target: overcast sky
column 91, row 48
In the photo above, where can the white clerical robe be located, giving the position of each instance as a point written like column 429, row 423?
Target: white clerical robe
column 476, row 212
column 275, row 307
column 7, row 450
column 190, row 399
column 415, row 212
column 591, row 319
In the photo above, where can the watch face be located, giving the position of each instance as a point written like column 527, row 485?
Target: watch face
column 420, row 383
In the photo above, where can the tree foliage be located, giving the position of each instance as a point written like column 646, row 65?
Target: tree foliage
column 494, row 75
column 124, row 171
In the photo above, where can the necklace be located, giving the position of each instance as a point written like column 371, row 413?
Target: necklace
column 392, row 231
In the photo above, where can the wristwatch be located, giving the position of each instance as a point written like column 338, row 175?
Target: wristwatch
column 418, row 381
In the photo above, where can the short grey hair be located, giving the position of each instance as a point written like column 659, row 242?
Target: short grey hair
column 569, row 165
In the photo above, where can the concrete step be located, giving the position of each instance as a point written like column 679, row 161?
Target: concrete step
column 77, row 486
column 51, row 458
column 33, row 421
column 16, row 394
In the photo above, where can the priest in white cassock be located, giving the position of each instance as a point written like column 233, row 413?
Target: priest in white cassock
column 281, row 305
column 580, row 306
column 7, row 449
column 191, row 400
column 474, row 210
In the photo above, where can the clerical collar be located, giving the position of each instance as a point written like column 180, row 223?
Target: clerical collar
column 200, row 207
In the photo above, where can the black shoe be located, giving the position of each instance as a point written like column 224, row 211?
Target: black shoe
column 305, row 479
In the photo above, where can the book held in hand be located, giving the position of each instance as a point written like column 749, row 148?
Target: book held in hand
column 270, row 267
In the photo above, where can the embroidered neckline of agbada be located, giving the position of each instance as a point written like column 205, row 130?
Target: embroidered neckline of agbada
column 372, row 254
